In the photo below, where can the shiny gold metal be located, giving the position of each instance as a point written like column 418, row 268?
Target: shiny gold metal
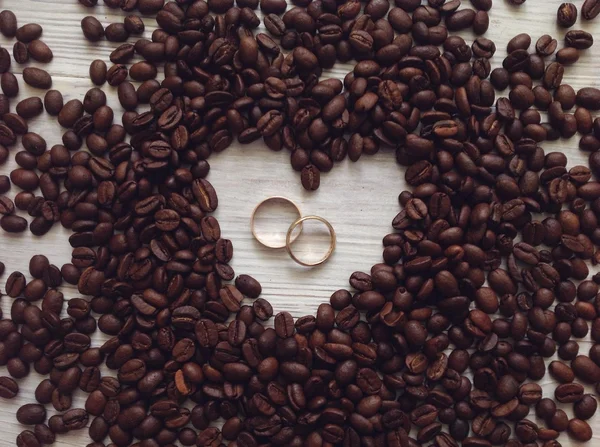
column 289, row 241
column 253, row 220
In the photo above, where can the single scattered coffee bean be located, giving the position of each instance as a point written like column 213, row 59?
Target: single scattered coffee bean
column 579, row 39
column 53, row 102
column 92, row 28
column 70, row 113
column 30, row 107
column 30, row 414
column 28, row 32
column 36, row 77
column 546, row 45
column 5, row 60
column 116, row 32
column 39, row 51
column 8, row 387
column 8, row 23
column 586, row 369
column 311, row 178
column 566, row 15
column 98, row 71
column 580, row 430
column 134, row 24
column 590, row 9
column 586, row 407
column 9, row 84
column 20, row 53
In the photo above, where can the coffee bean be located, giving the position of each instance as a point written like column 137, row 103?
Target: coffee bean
column 586, row 407
column 27, row 438
column 546, row 45
column 30, row 107
column 567, row 56
column 580, row 430
column 568, row 392
column 20, row 53
column 13, row 224
column 589, row 98
column 205, row 194
column 8, row 23
column 28, row 32
column 248, row 286
column 585, row 369
column 115, row 32
column 8, row 387
column 566, row 15
column 53, row 102
column 98, row 72
column 579, row 39
column 43, row 434
column 10, row 85
column 590, row 9
column 75, row 419
column 36, row 77
column 116, row 74
column 134, row 24
column 39, row 51
column 70, row 113
column 311, row 178
column 4, row 60
column 30, row 414
column 142, row 71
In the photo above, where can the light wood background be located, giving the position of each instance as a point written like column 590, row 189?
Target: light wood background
column 359, row 199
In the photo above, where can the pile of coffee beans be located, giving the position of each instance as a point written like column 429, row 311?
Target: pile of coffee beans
column 486, row 272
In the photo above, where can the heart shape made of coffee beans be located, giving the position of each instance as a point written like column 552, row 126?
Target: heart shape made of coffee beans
column 493, row 224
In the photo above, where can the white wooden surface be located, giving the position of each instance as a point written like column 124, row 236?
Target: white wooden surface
column 359, row 199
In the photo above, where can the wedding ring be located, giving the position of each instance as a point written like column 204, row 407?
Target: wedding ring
column 289, row 241
column 288, row 236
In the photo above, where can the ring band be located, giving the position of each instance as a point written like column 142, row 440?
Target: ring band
column 253, row 221
column 289, row 241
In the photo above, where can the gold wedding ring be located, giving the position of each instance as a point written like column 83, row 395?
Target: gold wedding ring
column 290, row 237
column 253, row 220
column 289, row 241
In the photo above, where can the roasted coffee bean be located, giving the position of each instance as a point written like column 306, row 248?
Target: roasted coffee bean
column 566, row 15
column 568, row 392
column 28, row 32
column 579, row 39
column 53, row 102
column 311, row 178
column 27, row 438
column 98, row 72
column 8, row 23
column 580, row 430
column 20, row 53
column 546, row 45
column 8, row 387
column 586, row 407
column 39, row 51
column 116, row 32
column 30, row 414
column 590, row 9
column 30, row 107
column 92, row 28
column 36, row 77
column 586, row 369
column 70, row 113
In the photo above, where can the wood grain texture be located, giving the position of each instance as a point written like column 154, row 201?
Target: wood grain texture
column 359, row 199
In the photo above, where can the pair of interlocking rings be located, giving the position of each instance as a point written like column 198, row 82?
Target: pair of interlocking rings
column 290, row 237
